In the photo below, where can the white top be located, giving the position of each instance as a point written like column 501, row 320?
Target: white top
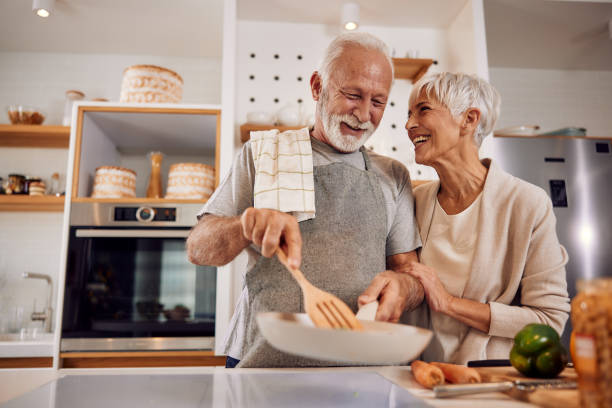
column 518, row 267
column 449, row 252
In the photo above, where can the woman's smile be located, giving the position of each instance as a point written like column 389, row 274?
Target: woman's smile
column 420, row 139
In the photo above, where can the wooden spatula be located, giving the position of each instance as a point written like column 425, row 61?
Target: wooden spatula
column 323, row 308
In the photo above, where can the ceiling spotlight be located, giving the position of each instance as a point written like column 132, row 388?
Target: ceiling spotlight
column 43, row 8
column 350, row 16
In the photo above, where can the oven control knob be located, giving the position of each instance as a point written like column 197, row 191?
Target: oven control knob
column 145, row 214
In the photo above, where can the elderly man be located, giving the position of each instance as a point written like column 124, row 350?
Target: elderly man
column 359, row 237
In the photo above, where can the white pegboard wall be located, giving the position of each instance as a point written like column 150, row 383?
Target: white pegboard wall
column 275, row 62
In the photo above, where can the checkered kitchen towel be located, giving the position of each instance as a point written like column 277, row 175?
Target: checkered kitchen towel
column 283, row 172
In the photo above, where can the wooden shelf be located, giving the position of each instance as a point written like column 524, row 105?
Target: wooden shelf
column 416, row 183
column 34, row 136
column 22, row 202
column 411, row 68
column 26, row 362
column 140, row 359
column 247, row 128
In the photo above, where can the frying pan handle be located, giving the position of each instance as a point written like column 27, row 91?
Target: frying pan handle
column 454, row 390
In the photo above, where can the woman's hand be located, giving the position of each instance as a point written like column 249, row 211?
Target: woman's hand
column 470, row 312
column 438, row 298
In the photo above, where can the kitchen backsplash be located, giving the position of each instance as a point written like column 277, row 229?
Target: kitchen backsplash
column 32, row 241
column 555, row 99
column 29, row 242
column 41, row 79
column 274, row 70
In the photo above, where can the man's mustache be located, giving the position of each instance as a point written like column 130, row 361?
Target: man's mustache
column 355, row 123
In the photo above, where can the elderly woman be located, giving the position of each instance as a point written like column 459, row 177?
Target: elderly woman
column 490, row 261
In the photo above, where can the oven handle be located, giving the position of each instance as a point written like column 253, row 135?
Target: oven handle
column 131, row 233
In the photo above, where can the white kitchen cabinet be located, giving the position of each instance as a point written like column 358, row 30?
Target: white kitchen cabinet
column 118, row 134
column 111, row 134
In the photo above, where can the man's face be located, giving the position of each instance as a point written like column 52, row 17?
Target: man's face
column 352, row 105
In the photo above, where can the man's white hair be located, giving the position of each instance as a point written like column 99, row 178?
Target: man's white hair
column 458, row 92
column 347, row 40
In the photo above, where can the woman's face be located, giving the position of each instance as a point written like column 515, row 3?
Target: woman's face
column 432, row 129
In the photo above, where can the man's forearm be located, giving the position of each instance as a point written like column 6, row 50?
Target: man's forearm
column 399, row 263
column 416, row 293
column 216, row 240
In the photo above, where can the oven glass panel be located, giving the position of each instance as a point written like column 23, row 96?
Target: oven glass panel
column 136, row 287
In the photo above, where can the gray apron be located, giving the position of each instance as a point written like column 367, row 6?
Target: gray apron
column 343, row 249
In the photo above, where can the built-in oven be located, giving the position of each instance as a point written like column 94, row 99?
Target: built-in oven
column 129, row 284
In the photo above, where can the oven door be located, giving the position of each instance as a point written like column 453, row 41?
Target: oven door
column 134, row 288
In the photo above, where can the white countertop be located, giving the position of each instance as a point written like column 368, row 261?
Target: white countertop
column 227, row 387
column 12, row 346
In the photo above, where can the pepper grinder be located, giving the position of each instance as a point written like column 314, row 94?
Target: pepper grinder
column 154, row 189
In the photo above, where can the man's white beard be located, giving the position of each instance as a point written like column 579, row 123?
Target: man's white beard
column 341, row 142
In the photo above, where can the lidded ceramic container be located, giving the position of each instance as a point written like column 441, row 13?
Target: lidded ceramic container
column 151, row 84
column 114, row 182
column 190, row 181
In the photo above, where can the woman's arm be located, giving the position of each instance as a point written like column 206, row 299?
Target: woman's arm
column 472, row 313
column 543, row 288
column 543, row 297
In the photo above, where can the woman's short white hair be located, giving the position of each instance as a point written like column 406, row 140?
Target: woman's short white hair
column 459, row 92
column 347, row 40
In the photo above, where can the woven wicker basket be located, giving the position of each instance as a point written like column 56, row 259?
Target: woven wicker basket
column 114, row 182
column 151, row 84
column 190, row 181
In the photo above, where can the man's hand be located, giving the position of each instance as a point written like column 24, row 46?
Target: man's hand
column 271, row 229
column 394, row 291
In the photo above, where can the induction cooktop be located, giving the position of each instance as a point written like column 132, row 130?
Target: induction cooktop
column 223, row 389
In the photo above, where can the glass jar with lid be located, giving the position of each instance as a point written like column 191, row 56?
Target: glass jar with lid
column 591, row 343
column 28, row 181
column 16, row 184
column 72, row 96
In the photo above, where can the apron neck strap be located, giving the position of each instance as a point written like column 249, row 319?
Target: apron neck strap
column 366, row 158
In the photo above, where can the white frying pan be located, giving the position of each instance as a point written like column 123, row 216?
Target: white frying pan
column 379, row 343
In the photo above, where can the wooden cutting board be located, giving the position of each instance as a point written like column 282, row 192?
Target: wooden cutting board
column 543, row 397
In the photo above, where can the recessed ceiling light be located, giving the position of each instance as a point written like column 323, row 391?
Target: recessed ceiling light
column 350, row 16
column 43, row 8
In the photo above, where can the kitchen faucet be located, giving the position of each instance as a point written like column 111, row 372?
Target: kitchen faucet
column 45, row 315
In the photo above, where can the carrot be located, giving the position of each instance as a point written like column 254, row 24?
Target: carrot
column 458, row 374
column 426, row 374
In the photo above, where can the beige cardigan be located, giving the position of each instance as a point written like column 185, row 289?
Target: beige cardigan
column 518, row 266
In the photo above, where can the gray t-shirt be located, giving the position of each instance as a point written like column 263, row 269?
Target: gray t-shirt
column 235, row 194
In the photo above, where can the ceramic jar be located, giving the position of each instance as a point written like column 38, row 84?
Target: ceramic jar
column 72, row 96
column 290, row 115
column 114, row 182
column 190, row 181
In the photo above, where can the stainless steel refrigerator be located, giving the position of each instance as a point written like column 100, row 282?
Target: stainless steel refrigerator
column 577, row 174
